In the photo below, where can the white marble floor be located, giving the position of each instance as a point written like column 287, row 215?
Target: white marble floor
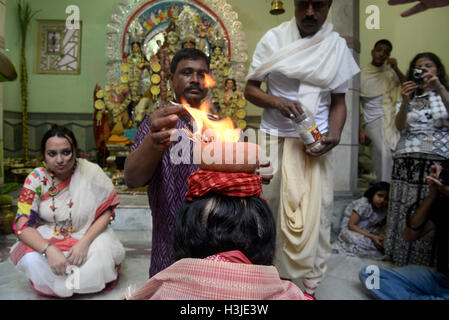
column 341, row 281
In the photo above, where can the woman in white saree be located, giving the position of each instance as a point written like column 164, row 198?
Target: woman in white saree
column 65, row 244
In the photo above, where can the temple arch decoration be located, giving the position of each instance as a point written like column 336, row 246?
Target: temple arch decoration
column 161, row 27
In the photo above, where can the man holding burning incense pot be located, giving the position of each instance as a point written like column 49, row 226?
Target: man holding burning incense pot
column 304, row 61
column 162, row 154
column 149, row 162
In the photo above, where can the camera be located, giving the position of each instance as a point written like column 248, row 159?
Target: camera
column 417, row 75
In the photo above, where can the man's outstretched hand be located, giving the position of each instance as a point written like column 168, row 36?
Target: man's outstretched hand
column 421, row 6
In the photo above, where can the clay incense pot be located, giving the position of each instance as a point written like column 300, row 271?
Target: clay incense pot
column 227, row 156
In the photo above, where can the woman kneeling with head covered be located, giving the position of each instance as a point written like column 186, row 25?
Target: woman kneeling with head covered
column 224, row 244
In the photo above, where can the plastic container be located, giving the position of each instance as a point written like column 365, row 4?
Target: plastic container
column 308, row 132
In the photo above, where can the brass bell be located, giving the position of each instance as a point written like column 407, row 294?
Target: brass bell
column 277, row 7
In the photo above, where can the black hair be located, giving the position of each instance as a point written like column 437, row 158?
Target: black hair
column 385, row 42
column 329, row 2
column 433, row 57
column 136, row 42
column 188, row 41
column 188, row 53
column 378, row 186
column 62, row 132
column 233, row 81
column 217, row 46
column 217, row 223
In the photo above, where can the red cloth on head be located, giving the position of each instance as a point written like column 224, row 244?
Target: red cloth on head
column 230, row 184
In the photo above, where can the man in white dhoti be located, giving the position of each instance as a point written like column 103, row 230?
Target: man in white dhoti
column 304, row 62
column 380, row 85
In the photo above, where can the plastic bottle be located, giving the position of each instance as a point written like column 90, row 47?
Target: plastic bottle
column 308, row 132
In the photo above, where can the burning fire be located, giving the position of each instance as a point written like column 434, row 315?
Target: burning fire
column 209, row 82
column 207, row 129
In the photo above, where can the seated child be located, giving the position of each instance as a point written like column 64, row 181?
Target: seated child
column 418, row 282
column 362, row 226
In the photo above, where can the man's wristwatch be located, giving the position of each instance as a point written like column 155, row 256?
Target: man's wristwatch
column 44, row 253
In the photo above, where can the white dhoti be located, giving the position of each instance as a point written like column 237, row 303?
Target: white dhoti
column 380, row 82
column 380, row 150
column 301, row 198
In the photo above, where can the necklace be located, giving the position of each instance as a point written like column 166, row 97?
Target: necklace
column 65, row 229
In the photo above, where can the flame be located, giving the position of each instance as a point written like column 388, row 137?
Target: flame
column 212, row 130
column 209, row 82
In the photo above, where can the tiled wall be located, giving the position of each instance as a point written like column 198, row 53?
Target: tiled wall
column 38, row 124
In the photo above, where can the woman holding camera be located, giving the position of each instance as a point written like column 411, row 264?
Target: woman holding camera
column 423, row 120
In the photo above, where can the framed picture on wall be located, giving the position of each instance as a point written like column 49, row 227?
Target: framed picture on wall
column 58, row 48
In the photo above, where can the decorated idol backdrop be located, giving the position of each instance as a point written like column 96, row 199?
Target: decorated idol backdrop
column 143, row 37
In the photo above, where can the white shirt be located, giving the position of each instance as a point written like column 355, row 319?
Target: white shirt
column 374, row 82
column 372, row 108
column 280, row 86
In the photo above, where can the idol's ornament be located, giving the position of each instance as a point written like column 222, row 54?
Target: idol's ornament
column 143, row 37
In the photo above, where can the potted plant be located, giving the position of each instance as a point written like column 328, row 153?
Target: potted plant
column 25, row 15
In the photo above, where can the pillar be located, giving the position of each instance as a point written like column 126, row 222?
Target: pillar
column 344, row 16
